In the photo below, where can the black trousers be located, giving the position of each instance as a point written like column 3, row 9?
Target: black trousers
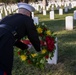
column 2, row 72
column 6, row 50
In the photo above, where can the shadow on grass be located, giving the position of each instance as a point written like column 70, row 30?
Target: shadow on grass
column 54, row 25
column 57, row 25
column 67, row 51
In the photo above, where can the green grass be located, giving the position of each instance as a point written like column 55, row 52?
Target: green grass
column 66, row 49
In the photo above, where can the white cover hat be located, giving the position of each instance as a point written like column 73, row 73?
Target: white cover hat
column 26, row 6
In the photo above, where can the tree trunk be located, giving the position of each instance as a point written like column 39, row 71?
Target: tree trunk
column 25, row 1
column 44, row 4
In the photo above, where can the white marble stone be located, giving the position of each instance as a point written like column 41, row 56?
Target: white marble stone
column 36, row 20
column 66, row 9
column 60, row 11
column 32, row 14
column 51, row 14
column 74, row 14
column 47, row 7
column 70, row 6
column 44, row 12
column 0, row 16
column 5, row 12
column 69, row 23
column 55, row 57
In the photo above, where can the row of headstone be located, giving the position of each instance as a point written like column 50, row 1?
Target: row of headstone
column 60, row 11
column 52, row 17
column 36, row 19
column 10, row 8
column 68, row 20
column 51, row 5
column 38, row 7
column 7, row 9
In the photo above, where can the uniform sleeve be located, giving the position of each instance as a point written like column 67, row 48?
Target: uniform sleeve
column 33, row 35
column 20, row 45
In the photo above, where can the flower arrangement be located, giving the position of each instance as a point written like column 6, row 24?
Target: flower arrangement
column 38, row 59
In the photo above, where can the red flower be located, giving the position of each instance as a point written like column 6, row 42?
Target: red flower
column 47, row 56
column 28, row 52
column 5, row 73
column 50, row 43
column 45, row 28
column 19, row 53
column 29, row 61
column 41, row 34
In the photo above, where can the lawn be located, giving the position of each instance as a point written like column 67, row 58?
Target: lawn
column 66, row 49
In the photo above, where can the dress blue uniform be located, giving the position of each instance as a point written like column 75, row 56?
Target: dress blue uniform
column 23, row 26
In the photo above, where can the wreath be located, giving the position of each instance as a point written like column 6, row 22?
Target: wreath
column 38, row 59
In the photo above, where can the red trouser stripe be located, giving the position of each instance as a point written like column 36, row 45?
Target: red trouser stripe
column 5, row 73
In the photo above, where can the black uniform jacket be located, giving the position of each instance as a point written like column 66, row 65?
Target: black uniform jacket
column 24, row 27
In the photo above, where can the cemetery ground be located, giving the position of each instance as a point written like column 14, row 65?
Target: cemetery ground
column 66, row 64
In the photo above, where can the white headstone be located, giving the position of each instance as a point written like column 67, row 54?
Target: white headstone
column 9, row 11
column 0, row 16
column 6, row 13
column 37, row 7
column 47, row 7
column 32, row 14
column 36, row 20
column 51, row 14
column 70, row 5
column 66, row 9
column 44, row 12
column 55, row 57
column 74, row 14
column 58, row 7
column 69, row 23
column 60, row 11
column 16, row 11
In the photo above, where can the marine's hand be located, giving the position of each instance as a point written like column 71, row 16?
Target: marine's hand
column 29, row 46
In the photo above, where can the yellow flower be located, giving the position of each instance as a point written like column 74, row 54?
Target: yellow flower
column 34, row 55
column 23, row 57
column 43, row 51
column 48, row 32
column 39, row 30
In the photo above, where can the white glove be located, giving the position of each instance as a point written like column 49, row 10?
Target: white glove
column 29, row 46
